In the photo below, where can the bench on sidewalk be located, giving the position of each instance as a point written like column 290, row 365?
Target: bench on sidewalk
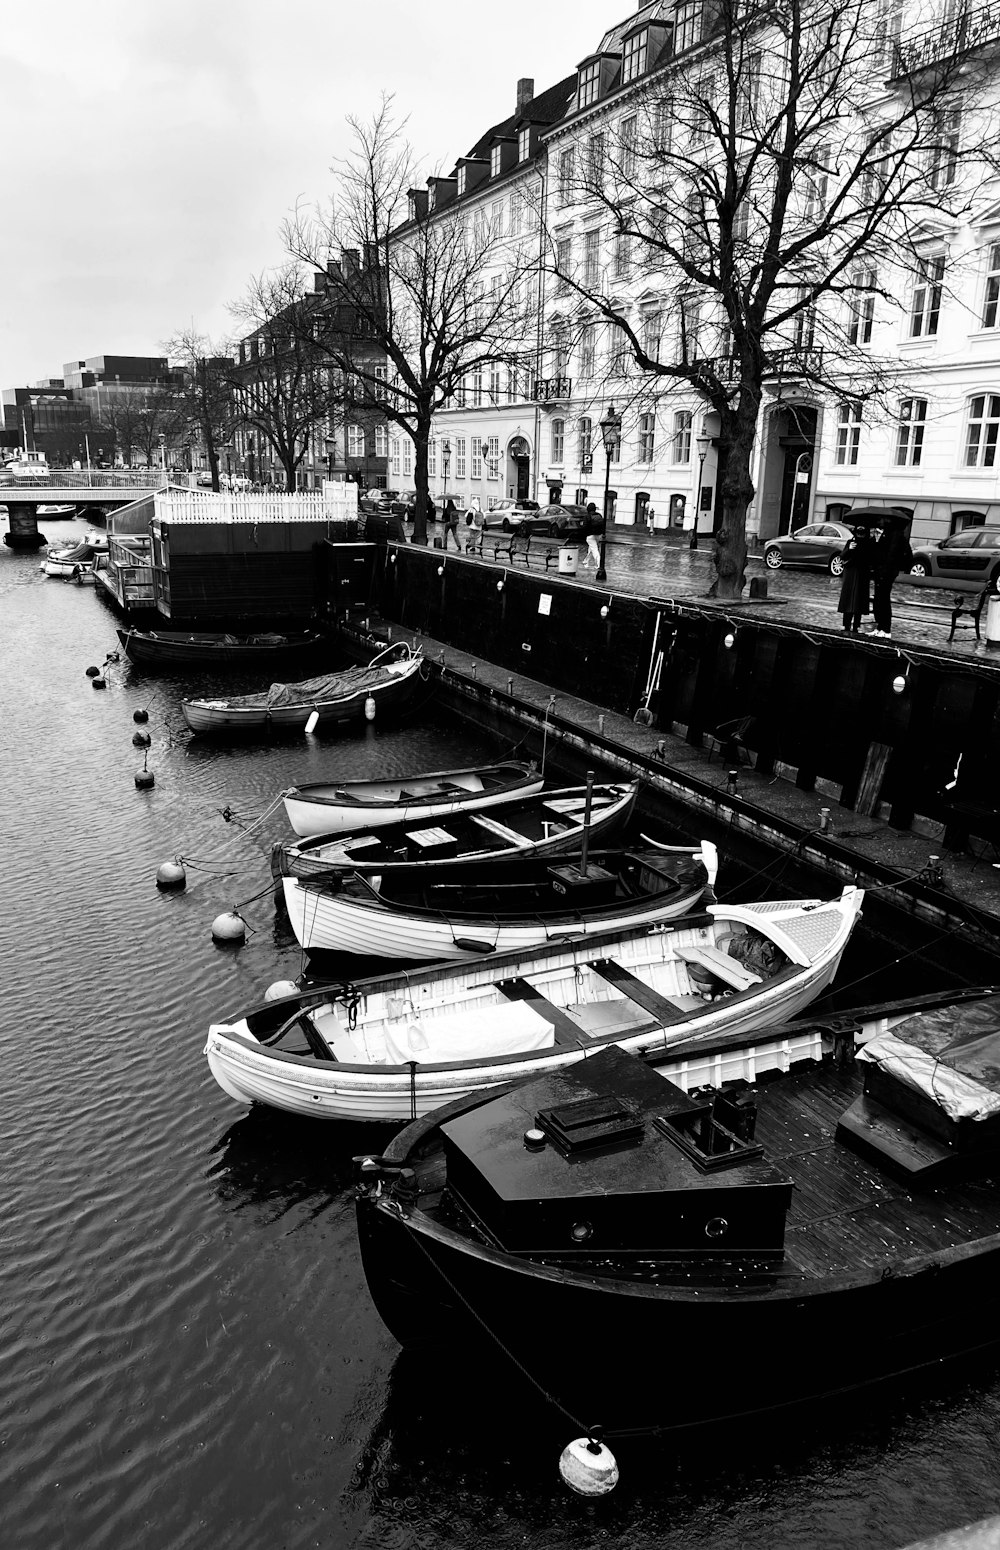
column 519, row 545
column 964, row 606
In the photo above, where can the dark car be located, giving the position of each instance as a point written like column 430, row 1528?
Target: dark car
column 818, row 546
column 510, row 515
column 561, row 522
column 971, row 555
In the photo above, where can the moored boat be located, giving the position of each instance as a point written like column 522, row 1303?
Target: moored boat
column 399, row 1045
column 328, row 807
column 658, row 1249
column 500, row 904
column 550, row 822
column 388, row 681
column 174, row 649
column 75, row 560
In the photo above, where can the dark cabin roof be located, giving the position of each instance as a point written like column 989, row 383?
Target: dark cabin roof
column 547, row 108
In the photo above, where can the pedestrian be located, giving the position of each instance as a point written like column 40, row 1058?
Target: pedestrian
column 891, row 553
column 650, row 517
column 474, row 525
column 450, row 519
column 854, row 599
column 594, row 526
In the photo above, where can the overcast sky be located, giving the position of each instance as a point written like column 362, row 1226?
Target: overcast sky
column 152, row 149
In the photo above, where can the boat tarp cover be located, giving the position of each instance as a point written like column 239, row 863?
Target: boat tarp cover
column 328, row 686
column 958, row 1095
column 489, row 1030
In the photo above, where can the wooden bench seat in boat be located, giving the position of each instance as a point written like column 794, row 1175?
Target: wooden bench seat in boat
column 566, row 1030
column 721, row 965
column 666, row 1009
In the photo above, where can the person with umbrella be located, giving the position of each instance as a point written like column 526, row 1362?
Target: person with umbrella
column 891, row 553
column 854, row 591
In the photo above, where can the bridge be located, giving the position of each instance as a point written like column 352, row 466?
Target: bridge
column 95, row 491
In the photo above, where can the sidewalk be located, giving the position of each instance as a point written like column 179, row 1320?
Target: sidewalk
column 662, row 565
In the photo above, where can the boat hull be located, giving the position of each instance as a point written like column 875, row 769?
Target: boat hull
column 315, row 811
column 151, row 649
column 221, row 719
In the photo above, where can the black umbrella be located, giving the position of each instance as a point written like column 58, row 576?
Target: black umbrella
column 868, row 516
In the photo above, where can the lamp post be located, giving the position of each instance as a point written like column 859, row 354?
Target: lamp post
column 445, row 465
column 331, row 447
column 702, row 443
column 611, row 430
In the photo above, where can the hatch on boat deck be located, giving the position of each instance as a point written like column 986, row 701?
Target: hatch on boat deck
column 621, row 1169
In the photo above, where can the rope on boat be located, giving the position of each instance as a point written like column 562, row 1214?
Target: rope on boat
column 230, row 815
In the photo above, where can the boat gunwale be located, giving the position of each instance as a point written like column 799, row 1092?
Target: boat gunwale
column 338, row 794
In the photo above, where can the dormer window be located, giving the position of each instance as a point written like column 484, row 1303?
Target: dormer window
column 687, row 24
column 461, row 181
column 524, row 143
column 635, row 55
column 496, row 161
column 590, row 80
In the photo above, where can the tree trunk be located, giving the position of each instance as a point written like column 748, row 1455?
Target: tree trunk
column 423, row 427
column 738, row 435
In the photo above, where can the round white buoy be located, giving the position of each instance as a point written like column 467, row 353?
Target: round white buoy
column 93, row 672
column 588, row 1467
column 141, row 740
column 140, row 716
column 99, row 683
column 280, row 989
column 171, row 874
column 144, row 780
column 370, row 708
column 228, row 927
column 312, row 723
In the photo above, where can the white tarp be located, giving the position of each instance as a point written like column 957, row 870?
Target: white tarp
column 513, row 1029
column 958, row 1096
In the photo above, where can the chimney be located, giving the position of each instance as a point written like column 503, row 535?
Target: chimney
column 525, row 92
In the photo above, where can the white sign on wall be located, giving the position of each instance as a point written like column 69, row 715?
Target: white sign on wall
column 545, row 603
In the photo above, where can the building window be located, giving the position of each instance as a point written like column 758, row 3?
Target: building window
column 992, row 297
column 647, row 437
column 984, row 427
column 910, row 432
column 355, row 441
column 687, row 24
column 432, row 456
column 586, row 437
column 926, row 305
column 634, row 55
column 558, row 442
column 496, row 390
column 559, row 350
column 942, row 159
column 817, row 180
column 588, row 349
column 623, row 255
column 515, row 214
column 477, row 388
column 381, row 441
column 524, row 143
column 848, row 433
column 862, row 307
column 682, row 436
column 590, row 80
column 591, row 258
column 407, row 457
column 496, row 161
column 663, row 125
column 595, row 162
column 565, row 177
column 459, row 457
column 804, row 323
column 395, row 456
column 564, row 260
column 493, row 458
column 477, row 458
column 650, row 327
column 627, row 135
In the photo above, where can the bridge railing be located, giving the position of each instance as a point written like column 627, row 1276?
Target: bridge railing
column 84, row 479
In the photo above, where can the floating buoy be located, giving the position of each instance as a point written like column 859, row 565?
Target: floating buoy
column 93, row 672
column 141, row 739
column 370, row 708
column 170, row 875
column 588, row 1467
column 228, row 927
column 312, row 723
column 280, row 989
column 140, row 716
column 144, row 780
column 99, row 683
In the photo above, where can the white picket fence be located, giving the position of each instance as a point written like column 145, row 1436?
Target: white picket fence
column 334, row 503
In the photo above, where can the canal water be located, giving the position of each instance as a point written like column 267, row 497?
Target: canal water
column 188, row 1356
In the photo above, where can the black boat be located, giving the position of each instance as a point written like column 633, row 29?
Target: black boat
column 170, row 650
column 655, row 1253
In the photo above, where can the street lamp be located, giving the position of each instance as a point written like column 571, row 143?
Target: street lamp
column 445, row 464
column 331, row 447
column 702, row 443
column 611, row 431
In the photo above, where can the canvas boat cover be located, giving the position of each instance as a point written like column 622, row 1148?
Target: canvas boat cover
column 328, row 686
column 957, row 1094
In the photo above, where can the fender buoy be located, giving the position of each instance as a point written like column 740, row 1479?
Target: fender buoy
column 280, row 989
column 141, row 740
column 140, row 716
column 171, row 875
column 99, row 683
column 144, row 780
column 588, row 1467
column 228, row 927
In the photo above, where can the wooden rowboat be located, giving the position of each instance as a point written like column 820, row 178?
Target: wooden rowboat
column 395, row 1046
column 387, row 682
column 170, row 649
column 352, row 805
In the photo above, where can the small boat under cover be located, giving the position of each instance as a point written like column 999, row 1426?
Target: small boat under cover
column 173, row 649
column 329, row 807
column 400, row 1045
column 75, row 560
column 754, row 1224
column 388, row 681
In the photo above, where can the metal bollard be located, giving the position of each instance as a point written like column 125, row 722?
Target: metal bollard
column 732, row 778
column 824, row 820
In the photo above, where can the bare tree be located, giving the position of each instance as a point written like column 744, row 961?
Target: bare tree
column 283, row 383
column 206, row 395
column 159, row 419
column 421, row 295
column 773, row 186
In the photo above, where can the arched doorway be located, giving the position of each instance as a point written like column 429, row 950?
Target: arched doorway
column 788, row 471
column 519, row 468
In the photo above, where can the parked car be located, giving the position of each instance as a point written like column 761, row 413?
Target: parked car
column 509, row 514
column 818, row 546
column 971, row 555
column 561, row 522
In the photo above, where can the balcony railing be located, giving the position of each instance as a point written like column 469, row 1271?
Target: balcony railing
column 781, row 363
column 970, row 30
column 550, row 389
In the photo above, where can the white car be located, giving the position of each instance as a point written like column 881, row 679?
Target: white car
column 509, row 514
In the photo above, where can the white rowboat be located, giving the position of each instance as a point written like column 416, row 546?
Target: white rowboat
column 350, row 805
